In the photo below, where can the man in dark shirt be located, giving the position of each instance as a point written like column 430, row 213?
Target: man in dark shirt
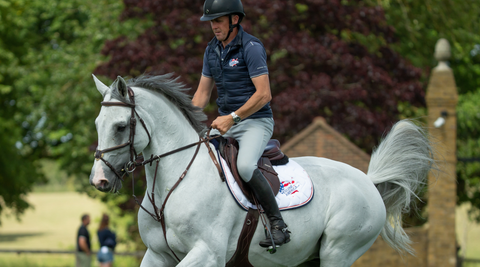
column 83, row 255
column 236, row 62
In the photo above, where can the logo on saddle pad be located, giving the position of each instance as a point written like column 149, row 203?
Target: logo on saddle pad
column 288, row 188
column 233, row 62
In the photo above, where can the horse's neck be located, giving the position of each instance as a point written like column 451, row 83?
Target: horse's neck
column 170, row 130
column 169, row 127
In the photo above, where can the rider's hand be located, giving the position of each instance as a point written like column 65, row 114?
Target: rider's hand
column 223, row 123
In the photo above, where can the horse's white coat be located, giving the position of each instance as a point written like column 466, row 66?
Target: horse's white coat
column 99, row 175
column 202, row 219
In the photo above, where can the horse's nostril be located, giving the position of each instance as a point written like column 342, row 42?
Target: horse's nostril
column 103, row 183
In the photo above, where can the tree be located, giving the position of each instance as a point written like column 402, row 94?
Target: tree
column 17, row 170
column 468, row 145
column 48, row 50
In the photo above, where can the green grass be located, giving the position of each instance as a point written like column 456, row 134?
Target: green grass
column 36, row 260
column 53, row 223
column 57, row 260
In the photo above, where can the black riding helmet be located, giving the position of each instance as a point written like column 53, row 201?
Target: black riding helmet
column 213, row 9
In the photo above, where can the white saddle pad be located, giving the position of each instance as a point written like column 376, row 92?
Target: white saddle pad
column 296, row 187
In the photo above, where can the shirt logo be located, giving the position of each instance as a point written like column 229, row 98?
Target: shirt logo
column 233, row 62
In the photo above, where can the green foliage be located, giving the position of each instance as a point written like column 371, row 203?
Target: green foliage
column 468, row 145
column 419, row 24
column 48, row 51
column 17, row 169
column 57, row 179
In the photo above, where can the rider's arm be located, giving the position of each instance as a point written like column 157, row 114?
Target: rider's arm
column 203, row 93
column 256, row 60
column 259, row 99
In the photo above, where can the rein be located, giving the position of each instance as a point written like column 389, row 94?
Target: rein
column 129, row 167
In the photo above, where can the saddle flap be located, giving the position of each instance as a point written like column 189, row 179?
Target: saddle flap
column 265, row 166
column 230, row 152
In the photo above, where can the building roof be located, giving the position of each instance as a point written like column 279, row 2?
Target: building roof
column 321, row 140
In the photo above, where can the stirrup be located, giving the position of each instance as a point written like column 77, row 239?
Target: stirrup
column 286, row 233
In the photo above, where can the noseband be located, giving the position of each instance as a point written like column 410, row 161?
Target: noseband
column 129, row 166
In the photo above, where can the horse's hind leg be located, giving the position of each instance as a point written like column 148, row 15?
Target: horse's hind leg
column 350, row 233
column 346, row 238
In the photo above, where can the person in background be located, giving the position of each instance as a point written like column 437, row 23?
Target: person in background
column 83, row 255
column 108, row 241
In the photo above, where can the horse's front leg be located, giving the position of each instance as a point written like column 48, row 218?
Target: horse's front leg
column 202, row 255
column 153, row 259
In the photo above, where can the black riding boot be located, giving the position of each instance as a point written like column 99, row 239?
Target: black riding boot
column 264, row 194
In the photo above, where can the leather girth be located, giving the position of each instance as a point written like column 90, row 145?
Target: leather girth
column 240, row 258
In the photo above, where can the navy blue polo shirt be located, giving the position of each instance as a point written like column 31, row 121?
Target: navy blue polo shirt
column 255, row 58
column 233, row 69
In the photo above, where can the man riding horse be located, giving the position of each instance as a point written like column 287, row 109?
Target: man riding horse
column 237, row 63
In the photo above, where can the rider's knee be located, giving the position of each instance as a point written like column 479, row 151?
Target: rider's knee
column 246, row 170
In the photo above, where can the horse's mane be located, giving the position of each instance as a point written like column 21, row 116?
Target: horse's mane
column 175, row 92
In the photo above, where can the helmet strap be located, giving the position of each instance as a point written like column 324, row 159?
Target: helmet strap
column 231, row 26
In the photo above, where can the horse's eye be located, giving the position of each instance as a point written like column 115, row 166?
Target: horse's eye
column 121, row 128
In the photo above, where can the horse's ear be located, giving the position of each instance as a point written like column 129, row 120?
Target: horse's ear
column 101, row 87
column 121, row 86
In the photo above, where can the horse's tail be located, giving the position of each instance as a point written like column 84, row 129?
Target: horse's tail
column 399, row 167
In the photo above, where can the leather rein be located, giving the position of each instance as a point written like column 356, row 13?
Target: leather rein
column 129, row 167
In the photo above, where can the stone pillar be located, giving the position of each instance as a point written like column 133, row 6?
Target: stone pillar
column 441, row 101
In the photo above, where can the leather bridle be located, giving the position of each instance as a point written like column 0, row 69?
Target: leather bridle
column 129, row 167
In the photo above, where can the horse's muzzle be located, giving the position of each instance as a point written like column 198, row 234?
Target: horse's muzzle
column 98, row 178
column 102, row 185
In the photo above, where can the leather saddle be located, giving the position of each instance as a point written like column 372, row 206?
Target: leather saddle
column 272, row 155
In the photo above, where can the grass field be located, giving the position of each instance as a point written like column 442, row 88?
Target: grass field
column 57, row 260
column 52, row 225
